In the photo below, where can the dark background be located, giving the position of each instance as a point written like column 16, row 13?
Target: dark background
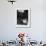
column 21, row 16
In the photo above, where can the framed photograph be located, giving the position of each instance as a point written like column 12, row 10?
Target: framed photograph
column 23, row 17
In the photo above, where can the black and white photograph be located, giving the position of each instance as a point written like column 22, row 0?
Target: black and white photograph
column 23, row 18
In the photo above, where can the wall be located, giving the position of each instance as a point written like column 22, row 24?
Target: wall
column 8, row 28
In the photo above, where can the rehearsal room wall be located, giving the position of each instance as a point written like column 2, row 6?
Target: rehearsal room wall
column 8, row 30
